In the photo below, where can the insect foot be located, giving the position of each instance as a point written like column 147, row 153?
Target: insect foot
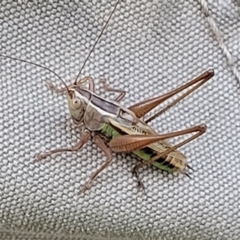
column 41, row 156
column 54, row 88
column 50, row 85
column 135, row 173
column 86, row 187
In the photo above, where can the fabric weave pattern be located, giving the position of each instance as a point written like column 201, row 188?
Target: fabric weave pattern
column 149, row 48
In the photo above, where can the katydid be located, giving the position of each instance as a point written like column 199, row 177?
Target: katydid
column 120, row 129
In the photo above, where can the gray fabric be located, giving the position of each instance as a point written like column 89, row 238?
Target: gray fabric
column 149, row 48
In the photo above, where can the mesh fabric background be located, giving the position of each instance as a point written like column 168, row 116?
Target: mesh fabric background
column 148, row 48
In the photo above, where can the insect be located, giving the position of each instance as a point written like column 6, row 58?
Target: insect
column 120, row 129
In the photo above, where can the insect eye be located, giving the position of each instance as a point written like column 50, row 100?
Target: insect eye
column 76, row 103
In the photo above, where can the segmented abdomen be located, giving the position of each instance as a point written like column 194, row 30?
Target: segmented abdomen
column 169, row 164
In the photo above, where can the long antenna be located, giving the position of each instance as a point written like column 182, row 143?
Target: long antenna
column 93, row 47
column 38, row 65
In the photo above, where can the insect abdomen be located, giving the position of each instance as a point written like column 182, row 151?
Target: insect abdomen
column 145, row 153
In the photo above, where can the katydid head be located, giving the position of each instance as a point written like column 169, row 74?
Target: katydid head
column 76, row 105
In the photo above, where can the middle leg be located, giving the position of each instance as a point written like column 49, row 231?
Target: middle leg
column 88, row 79
column 108, row 153
column 107, row 88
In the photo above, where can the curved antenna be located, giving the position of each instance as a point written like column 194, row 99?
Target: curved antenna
column 98, row 38
column 37, row 65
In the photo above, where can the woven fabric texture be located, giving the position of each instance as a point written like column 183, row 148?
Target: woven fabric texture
column 149, row 48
